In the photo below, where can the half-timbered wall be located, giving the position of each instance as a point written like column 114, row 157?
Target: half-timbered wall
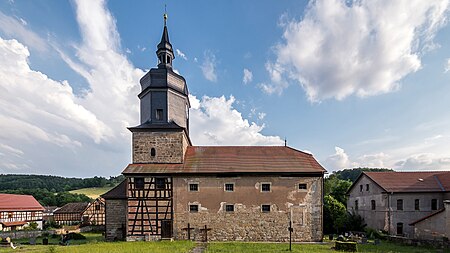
column 67, row 218
column 95, row 213
column 27, row 216
column 150, row 207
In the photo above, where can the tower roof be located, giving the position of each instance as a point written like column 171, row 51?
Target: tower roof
column 165, row 43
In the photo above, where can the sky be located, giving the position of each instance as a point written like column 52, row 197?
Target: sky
column 355, row 83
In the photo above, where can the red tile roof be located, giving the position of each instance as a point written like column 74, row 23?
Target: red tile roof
column 15, row 202
column 430, row 181
column 236, row 159
column 427, row 216
column 13, row 223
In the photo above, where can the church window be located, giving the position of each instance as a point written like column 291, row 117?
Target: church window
column 229, row 187
column 265, row 208
column 193, row 187
column 302, row 186
column 229, row 208
column 265, row 187
column 434, row 204
column 139, row 183
column 159, row 114
column 160, row 183
column 153, row 152
column 168, row 59
column 193, row 208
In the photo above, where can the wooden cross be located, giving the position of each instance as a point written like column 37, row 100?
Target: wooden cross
column 205, row 230
column 188, row 229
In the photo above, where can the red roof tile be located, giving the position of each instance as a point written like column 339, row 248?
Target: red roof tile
column 15, row 202
column 13, row 223
column 429, row 181
column 236, row 159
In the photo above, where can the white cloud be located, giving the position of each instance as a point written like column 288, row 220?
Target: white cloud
column 181, row 54
column 447, row 66
column 214, row 121
column 248, row 76
column 209, row 66
column 339, row 160
column 58, row 132
column 341, row 48
column 424, row 161
column 14, row 28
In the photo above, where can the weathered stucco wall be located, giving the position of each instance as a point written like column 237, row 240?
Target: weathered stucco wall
column 247, row 222
column 386, row 216
column 116, row 219
column 169, row 147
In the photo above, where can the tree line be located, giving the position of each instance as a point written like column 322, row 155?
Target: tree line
column 53, row 190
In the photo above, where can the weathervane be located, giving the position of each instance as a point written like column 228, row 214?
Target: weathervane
column 165, row 15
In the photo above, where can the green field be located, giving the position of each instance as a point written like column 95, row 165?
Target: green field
column 94, row 244
column 93, row 192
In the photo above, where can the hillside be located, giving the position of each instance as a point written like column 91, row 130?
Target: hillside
column 93, row 192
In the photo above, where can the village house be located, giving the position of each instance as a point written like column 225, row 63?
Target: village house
column 81, row 213
column 249, row 193
column 393, row 201
column 18, row 211
column 70, row 213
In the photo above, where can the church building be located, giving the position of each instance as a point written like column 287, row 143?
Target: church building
column 176, row 190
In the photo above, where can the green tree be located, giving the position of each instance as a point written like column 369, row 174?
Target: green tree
column 337, row 188
column 335, row 215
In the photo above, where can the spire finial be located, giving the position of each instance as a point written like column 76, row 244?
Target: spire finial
column 285, row 142
column 165, row 15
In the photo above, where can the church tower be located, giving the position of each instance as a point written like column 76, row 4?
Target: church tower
column 163, row 134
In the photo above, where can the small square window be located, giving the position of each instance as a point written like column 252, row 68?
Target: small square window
column 193, row 208
column 229, row 187
column 193, row 187
column 229, row 208
column 97, row 207
column 302, row 186
column 265, row 187
column 265, row 208
column 159, row 114
column 139, row 183
column 160, row 183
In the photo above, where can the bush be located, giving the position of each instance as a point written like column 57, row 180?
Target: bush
column 373, row 234
column 346, row 246
column 75, row 236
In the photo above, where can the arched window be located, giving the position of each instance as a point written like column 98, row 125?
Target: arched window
column 153, row 152
column 168, row 59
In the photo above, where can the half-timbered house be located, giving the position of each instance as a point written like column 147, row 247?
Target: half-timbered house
column 70, row 213
column 95, row 213
column 18, row 211
column 176, row 190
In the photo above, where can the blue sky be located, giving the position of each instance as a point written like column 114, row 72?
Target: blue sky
column 356, row 83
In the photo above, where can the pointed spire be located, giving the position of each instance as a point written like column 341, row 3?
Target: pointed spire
column 164, row 49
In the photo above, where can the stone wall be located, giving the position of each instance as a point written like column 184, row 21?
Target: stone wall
column 168, row 147
column 116, row 219
column 248, row 222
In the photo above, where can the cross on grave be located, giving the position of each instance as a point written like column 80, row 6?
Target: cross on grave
column 205, row 230
column 188, row 229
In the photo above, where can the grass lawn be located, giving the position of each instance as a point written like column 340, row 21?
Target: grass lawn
column 384, row 247
column 94, row 243
column 93, row 192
